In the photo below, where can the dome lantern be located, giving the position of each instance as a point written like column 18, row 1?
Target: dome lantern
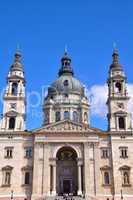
column 66, row 65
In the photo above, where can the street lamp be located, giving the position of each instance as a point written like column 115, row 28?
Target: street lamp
column 113, row 196
column 11, row 194
column 121, row 195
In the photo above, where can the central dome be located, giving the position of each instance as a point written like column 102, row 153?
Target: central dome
column 66, row 98
column 67, row 84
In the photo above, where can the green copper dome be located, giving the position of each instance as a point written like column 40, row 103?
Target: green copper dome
column 66, row 84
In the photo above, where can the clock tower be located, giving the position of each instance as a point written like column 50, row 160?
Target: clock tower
column 119, row 117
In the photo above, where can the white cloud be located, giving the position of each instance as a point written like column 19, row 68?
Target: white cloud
column 98, row 96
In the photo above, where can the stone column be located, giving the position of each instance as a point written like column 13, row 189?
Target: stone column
column 79, row 178
column 10, row 88
column 54, row 178
column 86, row 170
column 49, row 191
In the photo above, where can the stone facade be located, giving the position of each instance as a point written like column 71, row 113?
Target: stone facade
column 66, row 155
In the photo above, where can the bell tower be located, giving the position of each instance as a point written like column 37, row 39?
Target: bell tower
column 119, row 117
column 13, row 118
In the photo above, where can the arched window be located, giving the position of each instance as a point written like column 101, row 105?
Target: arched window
column 14, row 89
column 106, row 178
column 27, row 178
column 121, row 121
column 66, row 115
column 57, row 116
column 75, row 116
column 66, row 83
column 118, row 87
column 126, row 178
column 12, row 123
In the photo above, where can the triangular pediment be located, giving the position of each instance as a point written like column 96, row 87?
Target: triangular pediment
column 65, row 125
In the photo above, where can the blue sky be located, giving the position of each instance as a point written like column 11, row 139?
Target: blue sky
column 42, row 29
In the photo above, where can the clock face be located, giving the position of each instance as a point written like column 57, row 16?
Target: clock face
column 13, row 105
column 120, row 105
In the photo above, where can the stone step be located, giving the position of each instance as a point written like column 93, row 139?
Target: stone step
column 65, row 198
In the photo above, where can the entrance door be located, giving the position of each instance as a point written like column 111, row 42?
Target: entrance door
column 66, row 171
column 66, row 186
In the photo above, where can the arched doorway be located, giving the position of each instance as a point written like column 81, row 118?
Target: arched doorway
column 66, row 171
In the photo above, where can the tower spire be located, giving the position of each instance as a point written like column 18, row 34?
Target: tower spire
column 17, row 55
column 115, row 56
column 17, row 66
column 65, row 51
column 115, row 61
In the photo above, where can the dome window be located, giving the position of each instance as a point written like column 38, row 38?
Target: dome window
column 66, row 83
column 75, row 116
column 66, row 115
column 57, row 116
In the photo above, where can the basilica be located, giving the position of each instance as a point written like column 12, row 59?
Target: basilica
column 66, row 155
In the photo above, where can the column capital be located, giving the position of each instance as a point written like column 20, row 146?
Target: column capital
column 52, row 161
column 93, row 144
column 79, row 161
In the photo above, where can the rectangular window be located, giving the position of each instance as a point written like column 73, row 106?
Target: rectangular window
column 105, row 170
column 104, row 152
column 27, row 178
column 8, row 152
column 123, row 152
column 26, row 175
column 121, row 121
column 7, row 178
column 106, row 178
column 28, row 152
